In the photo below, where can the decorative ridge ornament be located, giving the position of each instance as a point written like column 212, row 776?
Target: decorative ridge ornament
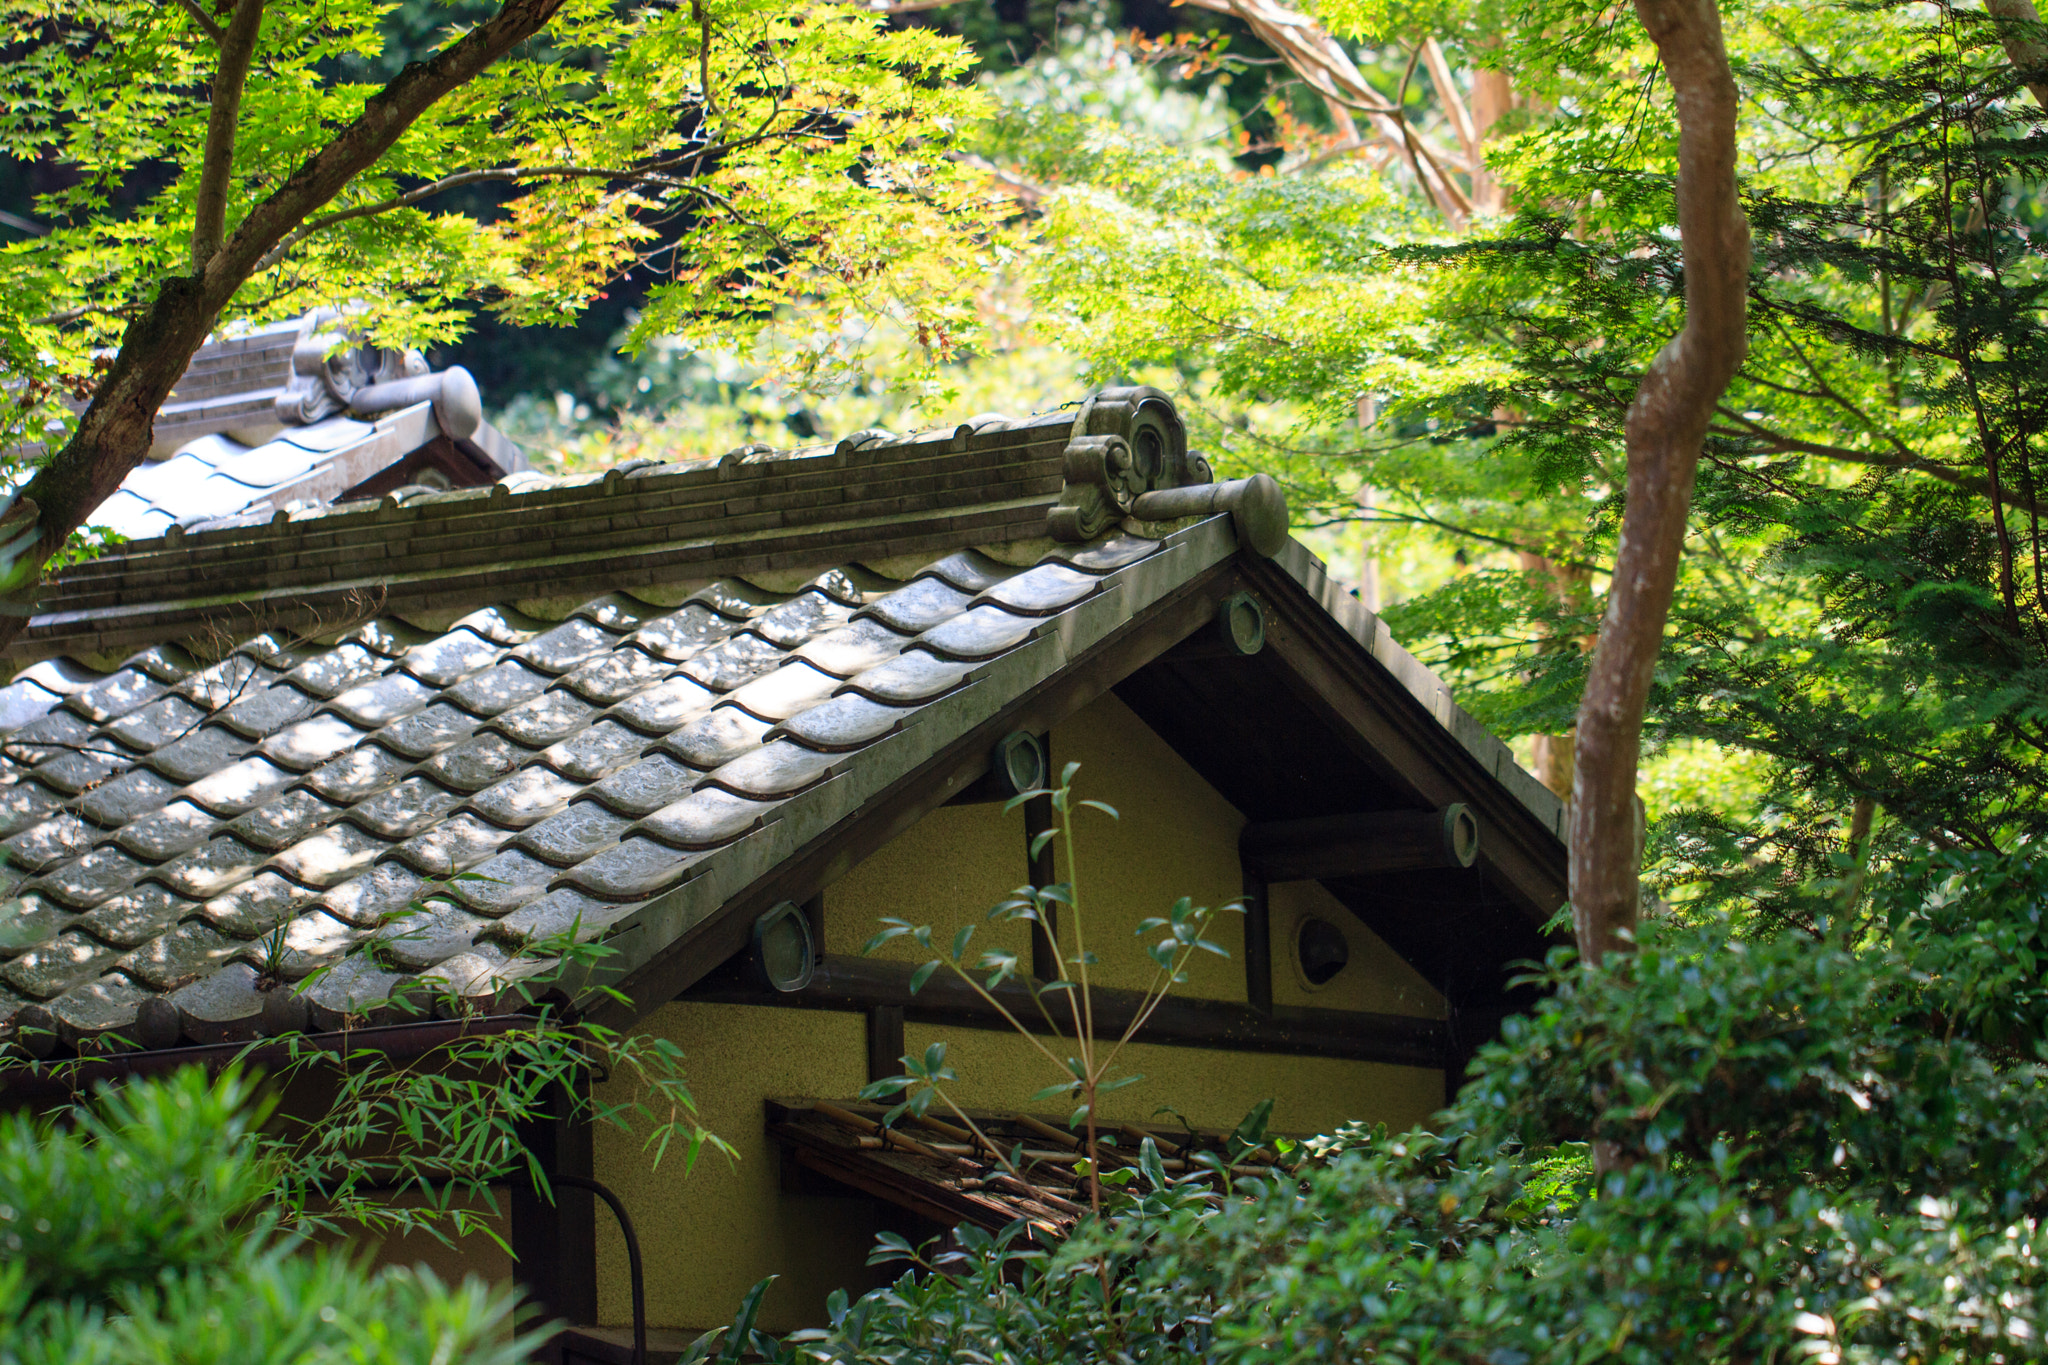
column 252, row 383
column 1126, row 442
column 329, row 376
column 1128, row 456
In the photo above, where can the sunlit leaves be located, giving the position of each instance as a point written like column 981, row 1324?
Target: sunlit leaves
column 793, row 152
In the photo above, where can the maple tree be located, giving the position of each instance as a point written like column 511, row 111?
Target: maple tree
column 748, row 152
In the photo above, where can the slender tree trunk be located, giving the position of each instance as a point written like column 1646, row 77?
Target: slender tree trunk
column 1571, row 589
column 1366, row 410
column 1665, row 427
column 1493, row 95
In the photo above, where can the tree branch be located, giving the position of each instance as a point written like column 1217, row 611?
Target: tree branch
column 217, row 169
column 1904, row 458
column 477, row 177
column 384, row 119
column 1453, row 101
column 113, row 433
column 204, row 20
column 1311, row 53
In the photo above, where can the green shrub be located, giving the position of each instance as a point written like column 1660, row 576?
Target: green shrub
column 136, row 1231
column 1815, row 1159
column 1806, row 1170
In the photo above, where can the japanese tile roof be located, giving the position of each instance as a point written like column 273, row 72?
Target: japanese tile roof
column 223, row 449
column 215, row 477
column 164, row 821
column 751, row 510
column 206, row 851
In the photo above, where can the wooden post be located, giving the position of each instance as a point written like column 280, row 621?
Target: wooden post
column 885, row 1042
column 554, row 1242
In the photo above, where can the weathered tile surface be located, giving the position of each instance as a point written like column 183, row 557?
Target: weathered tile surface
column 529, row 795
column 646, row 786
column 417, row 803
column 664, row 706
column 239, row 786
column 164, row 834
column 135, row 917
column 922, row 605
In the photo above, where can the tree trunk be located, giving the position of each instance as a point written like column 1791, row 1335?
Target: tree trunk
column 1493, row 95
column 2021, row 35
column 1571, row 588
column 1665, row 427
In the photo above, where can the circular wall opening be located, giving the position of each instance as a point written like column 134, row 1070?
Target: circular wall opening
column 1242, row 622
column 783, row 951
column 1019, row 761
column 1320, row 951
column 1461, row 834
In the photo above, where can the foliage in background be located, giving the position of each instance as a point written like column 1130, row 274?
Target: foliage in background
column 1193, row 81
column 139, row 1229
column 670, row 402
column 232, row 171
column 1859, row 633
column 606, row 127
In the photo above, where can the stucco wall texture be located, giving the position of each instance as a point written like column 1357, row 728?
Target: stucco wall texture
column 1205, row 1089
column 706, row 1236
column 948, row 869
column 709, row 1235
column 1174, row 836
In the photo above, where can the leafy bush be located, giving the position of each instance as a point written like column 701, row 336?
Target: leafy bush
column 1805, row 1170
column 1813, row 1160
column 138, row 1232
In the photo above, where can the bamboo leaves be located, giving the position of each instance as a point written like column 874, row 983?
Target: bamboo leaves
column 1088, row 1071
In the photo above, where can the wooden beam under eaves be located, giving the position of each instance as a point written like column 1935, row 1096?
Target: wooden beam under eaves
column 1327, row 846
column 864, row 984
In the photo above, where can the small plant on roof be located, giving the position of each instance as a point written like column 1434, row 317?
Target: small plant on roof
column 1066, row 1004
column 273, row 956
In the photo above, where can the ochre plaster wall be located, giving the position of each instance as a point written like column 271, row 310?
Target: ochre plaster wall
column 1208, row 1089
column 1174, row 837
column 948, row 869
column 709, row 1235
column 1375, row 978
